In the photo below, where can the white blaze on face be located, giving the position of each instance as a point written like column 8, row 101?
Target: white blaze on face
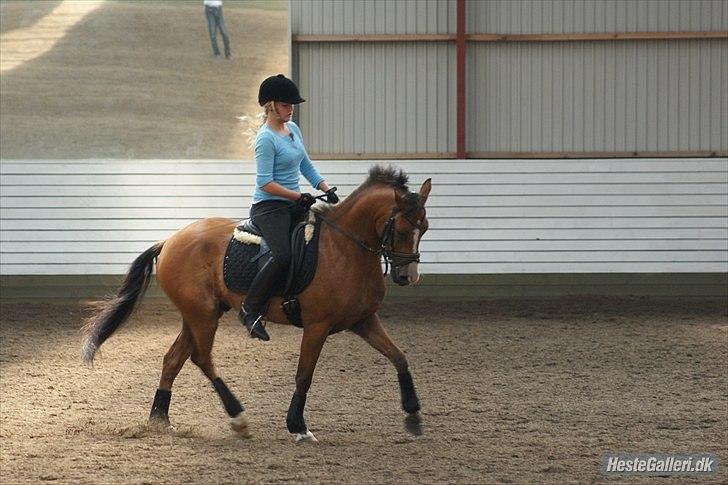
column 412, row 275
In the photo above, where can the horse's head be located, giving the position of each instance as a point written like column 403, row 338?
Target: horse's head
column 402, row 234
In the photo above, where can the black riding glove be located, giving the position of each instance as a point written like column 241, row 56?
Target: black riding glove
column 331, row 196
column 306, row 200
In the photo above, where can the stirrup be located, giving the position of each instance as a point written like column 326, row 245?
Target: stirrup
column 256, row 329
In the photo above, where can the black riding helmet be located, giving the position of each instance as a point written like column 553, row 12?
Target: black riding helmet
column 279, row 88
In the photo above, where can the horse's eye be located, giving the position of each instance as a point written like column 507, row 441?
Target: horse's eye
column 402, row 233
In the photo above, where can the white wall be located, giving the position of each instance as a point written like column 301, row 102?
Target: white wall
column 486, row 216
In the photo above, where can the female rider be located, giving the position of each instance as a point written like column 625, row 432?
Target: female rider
column 280, row 160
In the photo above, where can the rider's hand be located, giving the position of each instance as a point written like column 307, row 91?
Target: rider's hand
column 306, row 200
column 331, row 196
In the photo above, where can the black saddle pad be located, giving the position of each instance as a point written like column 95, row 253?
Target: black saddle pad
column 242, row 261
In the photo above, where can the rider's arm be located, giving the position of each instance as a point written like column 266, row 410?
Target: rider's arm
column 274, row 188
column 307, row 168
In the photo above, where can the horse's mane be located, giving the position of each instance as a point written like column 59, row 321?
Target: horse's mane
column 389, row 175
column 378, row 175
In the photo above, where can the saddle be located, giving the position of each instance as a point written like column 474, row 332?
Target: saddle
column 247, row 252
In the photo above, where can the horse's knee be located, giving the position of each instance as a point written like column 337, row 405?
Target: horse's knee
column 201, row 362
column 168, row 377
column 205, row 365
column 197, row 359
column 171, row 358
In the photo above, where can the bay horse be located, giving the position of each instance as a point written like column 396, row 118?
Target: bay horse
column 381, row 218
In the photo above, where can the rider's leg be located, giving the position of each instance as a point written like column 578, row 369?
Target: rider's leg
column 251, row 312
column 275, row 227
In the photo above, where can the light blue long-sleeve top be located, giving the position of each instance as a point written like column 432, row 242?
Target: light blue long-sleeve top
column 282, row 159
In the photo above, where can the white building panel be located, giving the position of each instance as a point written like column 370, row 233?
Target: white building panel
column 499, row 216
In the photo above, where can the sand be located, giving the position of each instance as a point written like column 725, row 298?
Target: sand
column 511, row 391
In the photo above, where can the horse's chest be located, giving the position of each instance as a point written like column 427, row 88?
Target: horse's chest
column 368, row 302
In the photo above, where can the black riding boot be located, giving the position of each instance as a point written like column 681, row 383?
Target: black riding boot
column 260, row 291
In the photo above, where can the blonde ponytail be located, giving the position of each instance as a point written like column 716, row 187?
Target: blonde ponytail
column 252, row 123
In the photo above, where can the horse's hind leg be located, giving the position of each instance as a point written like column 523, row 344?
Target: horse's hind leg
column 311, row 344
column 175, row 358
column 203, row 335
column 372, row 331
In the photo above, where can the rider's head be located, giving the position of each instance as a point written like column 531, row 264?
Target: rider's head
column 278, row 94
column 279, row 88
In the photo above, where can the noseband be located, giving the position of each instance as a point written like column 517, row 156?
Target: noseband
column 386, row 240
column 392, row 257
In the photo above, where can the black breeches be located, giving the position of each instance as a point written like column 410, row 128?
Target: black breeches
column 274, row 218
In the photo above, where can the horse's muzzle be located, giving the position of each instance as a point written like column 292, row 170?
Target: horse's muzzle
column 401, row 280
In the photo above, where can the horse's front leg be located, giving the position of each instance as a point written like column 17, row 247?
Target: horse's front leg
column 371, row 330
column 311, row 344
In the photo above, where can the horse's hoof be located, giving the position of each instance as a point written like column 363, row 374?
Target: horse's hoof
column 306, row 437
column 159, row 422
column 161, row 426
column 239, row 424
column 413, row 423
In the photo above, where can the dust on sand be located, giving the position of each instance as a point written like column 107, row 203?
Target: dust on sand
column 511, row 391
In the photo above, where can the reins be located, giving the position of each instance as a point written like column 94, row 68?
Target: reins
column 320, row 197
column 359, row 242
column 391, row 257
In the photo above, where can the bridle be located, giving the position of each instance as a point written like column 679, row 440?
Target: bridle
column 386, row 250
column 392, row 257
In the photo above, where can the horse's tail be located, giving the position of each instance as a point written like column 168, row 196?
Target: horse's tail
column 108, row 315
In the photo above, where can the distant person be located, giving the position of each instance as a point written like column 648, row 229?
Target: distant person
column 215, row 21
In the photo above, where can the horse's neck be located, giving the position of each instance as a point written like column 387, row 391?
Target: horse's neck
column 360, row 216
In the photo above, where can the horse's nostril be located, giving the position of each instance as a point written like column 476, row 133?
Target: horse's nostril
column 401, row 280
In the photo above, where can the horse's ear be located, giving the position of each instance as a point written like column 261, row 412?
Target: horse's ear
column 425, row 191
column 399, row 200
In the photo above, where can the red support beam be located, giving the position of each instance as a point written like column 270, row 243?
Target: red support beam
column 460, row 40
